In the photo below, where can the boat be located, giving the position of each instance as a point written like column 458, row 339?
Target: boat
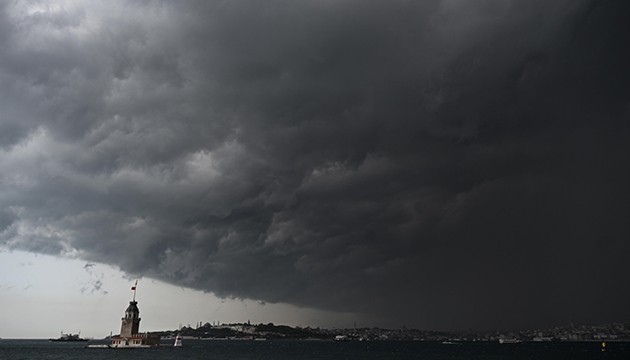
column 448, row 342
column 69, row 337
column 178, row 341
column 509, row 341
column 542, row 339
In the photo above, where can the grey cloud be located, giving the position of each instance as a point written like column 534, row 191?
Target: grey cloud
column 439, row 164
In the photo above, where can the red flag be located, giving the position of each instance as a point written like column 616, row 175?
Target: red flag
column 133, row 288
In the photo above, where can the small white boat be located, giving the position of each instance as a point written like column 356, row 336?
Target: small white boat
column 509, row 341
column 178, row 341
column 448, row 342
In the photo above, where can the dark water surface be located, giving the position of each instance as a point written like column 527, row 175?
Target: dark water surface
column 235, row 350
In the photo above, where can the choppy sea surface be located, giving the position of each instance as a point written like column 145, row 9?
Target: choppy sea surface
column 289, row 349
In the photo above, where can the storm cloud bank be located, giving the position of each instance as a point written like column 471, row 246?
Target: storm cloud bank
column 438, row 164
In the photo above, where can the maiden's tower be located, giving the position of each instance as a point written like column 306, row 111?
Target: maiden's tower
column 130, row 337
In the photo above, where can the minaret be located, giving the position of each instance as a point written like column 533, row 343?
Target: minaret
column 131, row 321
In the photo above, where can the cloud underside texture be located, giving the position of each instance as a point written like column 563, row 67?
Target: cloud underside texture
column 440, row 164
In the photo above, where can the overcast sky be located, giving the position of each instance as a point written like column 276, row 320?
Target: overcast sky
column 440, row 164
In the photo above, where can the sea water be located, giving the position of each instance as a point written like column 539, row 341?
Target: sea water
column 295, row 349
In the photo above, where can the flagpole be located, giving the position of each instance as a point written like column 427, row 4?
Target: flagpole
column 134, row 290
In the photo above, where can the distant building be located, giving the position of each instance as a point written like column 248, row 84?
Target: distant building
column 129, row 329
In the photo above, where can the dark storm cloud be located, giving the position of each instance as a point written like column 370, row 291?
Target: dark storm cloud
column 437, row 164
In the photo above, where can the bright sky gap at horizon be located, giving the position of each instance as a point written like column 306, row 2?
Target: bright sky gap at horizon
column 74, row 296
